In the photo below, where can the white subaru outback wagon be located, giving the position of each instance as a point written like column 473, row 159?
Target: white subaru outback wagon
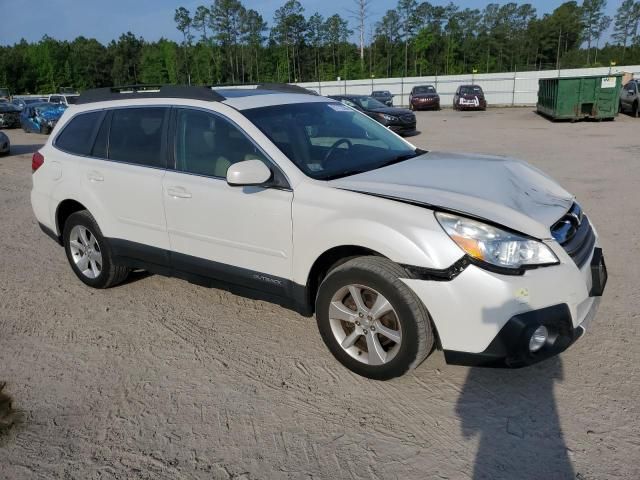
column 301, row 200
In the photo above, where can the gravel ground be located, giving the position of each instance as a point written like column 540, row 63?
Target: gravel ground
column 160, row 379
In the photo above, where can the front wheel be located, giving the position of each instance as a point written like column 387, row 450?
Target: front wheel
column 89, row 254
column 371, row 321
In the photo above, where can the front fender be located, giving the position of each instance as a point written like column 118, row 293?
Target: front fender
column 406, row 234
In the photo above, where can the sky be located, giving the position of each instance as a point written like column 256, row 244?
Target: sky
column 105, row 20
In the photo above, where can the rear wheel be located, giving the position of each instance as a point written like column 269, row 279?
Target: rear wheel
column 371, row 321
column 635, row 112
column 89, row 254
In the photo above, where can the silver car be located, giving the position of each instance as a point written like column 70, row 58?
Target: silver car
column 629, row 98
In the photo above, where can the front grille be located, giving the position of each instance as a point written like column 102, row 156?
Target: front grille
column 574, row 232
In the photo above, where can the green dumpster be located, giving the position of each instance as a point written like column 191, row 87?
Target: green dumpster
column 573, row 98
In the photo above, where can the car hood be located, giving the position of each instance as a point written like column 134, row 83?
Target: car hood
column 505, row 191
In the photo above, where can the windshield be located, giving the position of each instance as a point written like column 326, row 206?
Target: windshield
column 472, row 90
column 329, row 140
column 427, row 89
column 381, row 93
column 369, row 103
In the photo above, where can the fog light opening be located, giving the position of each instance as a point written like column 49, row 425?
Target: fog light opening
column 538, row 338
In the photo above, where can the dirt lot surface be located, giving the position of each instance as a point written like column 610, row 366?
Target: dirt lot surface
column 161, row 379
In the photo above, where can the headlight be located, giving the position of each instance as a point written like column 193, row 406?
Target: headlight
column 388, row 118
column 493, row 245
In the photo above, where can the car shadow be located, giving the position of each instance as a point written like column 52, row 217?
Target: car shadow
column 514, row 416
column 135, row 276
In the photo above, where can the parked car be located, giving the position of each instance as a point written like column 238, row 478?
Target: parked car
column 383, row 96
column 5, row 94
column 630, row 97
column 20, row 103
column 9, row 115
column 399, row 120
column 469, row 97
column 5, row 144
column 63, row 99
column 424, row 97
column 40, row 117
column 302, row 200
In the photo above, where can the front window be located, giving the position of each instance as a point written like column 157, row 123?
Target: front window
column 72, row 100
column 369, row 103
column 329, row 140
column 208, row 145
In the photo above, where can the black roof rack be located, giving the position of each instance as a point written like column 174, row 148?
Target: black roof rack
column 285, row 88
column 127, row 92
column 274, row 87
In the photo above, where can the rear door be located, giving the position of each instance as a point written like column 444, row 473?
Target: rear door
column 122, row 175
column 240, row 235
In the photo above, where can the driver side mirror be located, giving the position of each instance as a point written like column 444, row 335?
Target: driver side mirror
column 248, row 172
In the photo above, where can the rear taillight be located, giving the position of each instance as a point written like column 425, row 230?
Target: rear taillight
column 36, row 161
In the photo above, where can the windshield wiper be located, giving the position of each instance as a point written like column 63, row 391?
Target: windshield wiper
column 344, row 173
column 398, row 159
column 402, row 158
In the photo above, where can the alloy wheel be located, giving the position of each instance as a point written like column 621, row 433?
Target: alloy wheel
column 365, row 324
column 85, row 251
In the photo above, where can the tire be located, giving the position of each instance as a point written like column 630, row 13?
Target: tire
column 406, row 319
column 100, row 271
column 635, row 111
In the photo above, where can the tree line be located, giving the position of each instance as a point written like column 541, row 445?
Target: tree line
column 225, row 42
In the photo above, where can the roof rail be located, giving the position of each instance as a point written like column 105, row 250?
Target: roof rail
column 285, row 88
column 127, row 92
column 276, row 87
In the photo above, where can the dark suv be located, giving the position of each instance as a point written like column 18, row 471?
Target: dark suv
column 424, row 97
column 399, row 120
column 383, row 96
column 469, row 97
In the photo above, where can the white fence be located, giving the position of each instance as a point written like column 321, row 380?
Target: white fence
column 503, row 89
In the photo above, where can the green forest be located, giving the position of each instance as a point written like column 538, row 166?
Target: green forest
column 227, row 43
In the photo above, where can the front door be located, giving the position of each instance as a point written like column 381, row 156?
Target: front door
column 240, row 235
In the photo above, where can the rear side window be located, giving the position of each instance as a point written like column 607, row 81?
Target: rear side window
column 77, row 135
column 136, row 136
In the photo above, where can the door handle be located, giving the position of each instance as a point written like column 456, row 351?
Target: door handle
column 178, row 192
column 95, row 177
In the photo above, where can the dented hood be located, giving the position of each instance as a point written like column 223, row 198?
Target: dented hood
column 506, row 191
